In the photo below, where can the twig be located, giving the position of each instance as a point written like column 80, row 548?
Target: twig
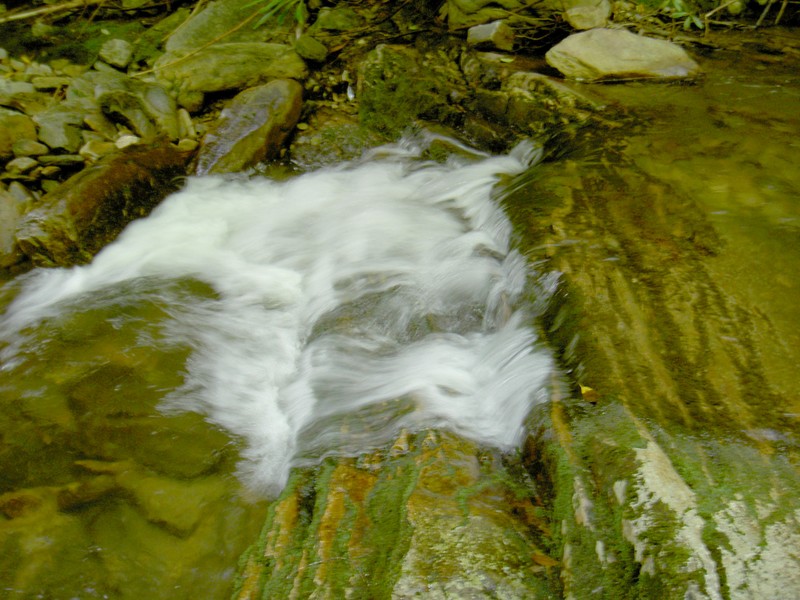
column 764, row 14
column 46, row 10
column 781, row 11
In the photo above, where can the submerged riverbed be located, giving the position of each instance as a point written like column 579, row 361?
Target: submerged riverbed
column 677, row 237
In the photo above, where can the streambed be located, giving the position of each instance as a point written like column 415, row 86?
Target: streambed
column 691, row 207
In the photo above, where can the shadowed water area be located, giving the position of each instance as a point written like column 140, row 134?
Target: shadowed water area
column 246, row 327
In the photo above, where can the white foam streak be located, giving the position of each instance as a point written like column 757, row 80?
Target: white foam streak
column 379, row 294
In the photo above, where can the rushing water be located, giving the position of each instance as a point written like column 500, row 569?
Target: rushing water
column 340, row 306
column 315, row 316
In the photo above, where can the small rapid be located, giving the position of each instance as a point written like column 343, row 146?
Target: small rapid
column 323, row 314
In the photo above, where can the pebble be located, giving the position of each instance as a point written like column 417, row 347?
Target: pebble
column 20, row 165
column 26, row 147
column 127, row 140
column 96, row 149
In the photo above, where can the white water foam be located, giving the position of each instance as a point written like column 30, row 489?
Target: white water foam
column 348, row 303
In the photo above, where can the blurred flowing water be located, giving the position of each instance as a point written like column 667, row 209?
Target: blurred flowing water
column 312, row 317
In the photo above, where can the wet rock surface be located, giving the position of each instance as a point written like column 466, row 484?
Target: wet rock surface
column 78, row 218
column 617, row 54
column 251, row 128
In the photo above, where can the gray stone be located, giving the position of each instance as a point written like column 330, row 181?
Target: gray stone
column 13, row 127
column 337, row 19
column 461, row 14
column 143, row 106
column 117, row 53
column 28, row 147
column 48, row 83
column 230, row 66
column 100, row 124
column 617, row 54
column 496, row 34
column 23, row 164
column 60, row 127
column 93, row 150
column 310, row 48
column 588, row 16
column 126, row 108
column 216, row 22
column 251, row 128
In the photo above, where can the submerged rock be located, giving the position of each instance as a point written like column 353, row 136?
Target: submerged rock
column 251, row 128
column 617, row 54
column 89, row 210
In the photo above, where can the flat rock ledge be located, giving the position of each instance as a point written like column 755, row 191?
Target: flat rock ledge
column 617, row 54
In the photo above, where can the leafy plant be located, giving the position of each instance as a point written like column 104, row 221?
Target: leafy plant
column 281, row 9
column 679, row 10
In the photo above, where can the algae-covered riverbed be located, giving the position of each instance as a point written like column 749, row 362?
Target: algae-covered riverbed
column 676, row 237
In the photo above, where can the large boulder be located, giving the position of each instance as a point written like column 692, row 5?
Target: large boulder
column 78, row 218
column 617, row 54
column 252, row 127
column 229, row 66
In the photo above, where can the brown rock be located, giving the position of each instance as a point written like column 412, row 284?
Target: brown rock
column 90, row 209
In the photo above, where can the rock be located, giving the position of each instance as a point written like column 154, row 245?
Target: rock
column 60, row 127
column 433, row 517
column 50, row 83
column 62, row 160
column 491, row 35
column 124, row 141
column 118, row 53
column 93, row 150
column 617, row 54
column 126, row 108
column 337, row 19
column 100, row 124
column 143, row 106
column 10, row 212
column 398, row 85
column 216, row 23
column 229, row 66
column 461, row 14
column 588, row 16
column 90, row 209
column 331, row 137
column 14, row 127
column 28, row 147
column 23, row 164
column 251, row 128
column 310, row 48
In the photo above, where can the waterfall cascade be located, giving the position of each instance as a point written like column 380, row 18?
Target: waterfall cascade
column 333, row 309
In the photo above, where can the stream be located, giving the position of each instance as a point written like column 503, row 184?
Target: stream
column 153, row 399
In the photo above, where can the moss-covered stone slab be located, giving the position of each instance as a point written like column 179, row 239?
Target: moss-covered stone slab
column 434, row 516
